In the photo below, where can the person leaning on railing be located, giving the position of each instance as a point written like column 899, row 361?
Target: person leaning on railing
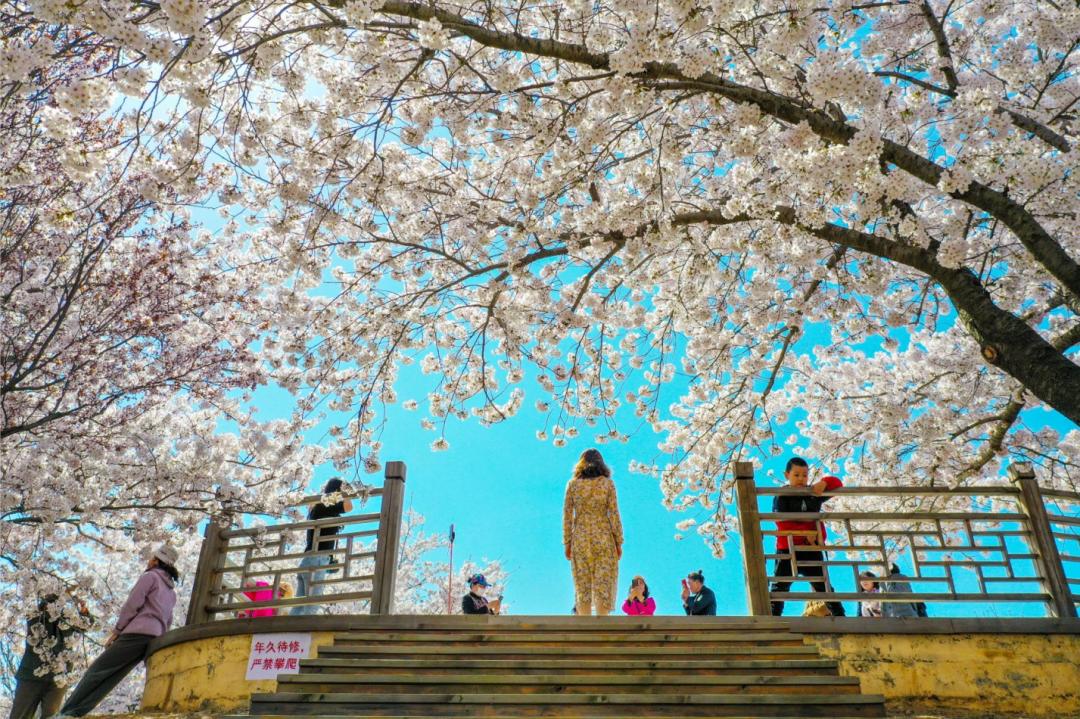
column 146, row 614
column 808, row 555
column 310, row 583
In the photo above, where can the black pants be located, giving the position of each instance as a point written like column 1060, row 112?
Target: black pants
column 32, row 693
column 108, row 670
column 802, row 557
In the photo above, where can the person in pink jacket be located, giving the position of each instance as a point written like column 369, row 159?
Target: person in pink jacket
column 146, row 614
column 638, row 602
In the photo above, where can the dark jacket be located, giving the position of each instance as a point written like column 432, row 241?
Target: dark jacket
column 475, row 604
column 808, row 502
column 899, row 584
column 50, row 630
column 701, row 604
column 324, row 511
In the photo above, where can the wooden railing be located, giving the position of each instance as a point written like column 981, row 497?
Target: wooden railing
column 360, row 568
column 963, row 544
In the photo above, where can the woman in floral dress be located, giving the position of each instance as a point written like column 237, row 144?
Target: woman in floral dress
column 592, row 534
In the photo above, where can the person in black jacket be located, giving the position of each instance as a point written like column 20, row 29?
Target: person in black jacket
column 698, row 600
column 474, row 602
column 47, row 633
column 309, row 583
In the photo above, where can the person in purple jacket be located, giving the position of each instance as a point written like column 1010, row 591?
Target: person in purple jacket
column 147, row 613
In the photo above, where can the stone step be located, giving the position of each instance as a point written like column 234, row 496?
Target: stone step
column 479, row 683
column 705, row 666
column 561, row 623
column 495, row 716
column 697, row 639
column 563, row 705
column 505, row 651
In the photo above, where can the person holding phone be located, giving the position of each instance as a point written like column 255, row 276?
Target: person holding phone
column 638, row 602
column 475, row 602
column 698, row 600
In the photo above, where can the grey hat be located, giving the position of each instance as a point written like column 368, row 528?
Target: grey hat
column 165, row 553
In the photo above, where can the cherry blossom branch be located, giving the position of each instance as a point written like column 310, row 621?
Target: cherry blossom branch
column 1046, row 249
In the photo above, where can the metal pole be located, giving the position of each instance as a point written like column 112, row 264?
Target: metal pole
column 450, row 576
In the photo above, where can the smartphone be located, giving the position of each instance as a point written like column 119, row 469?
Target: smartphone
column 685, row 585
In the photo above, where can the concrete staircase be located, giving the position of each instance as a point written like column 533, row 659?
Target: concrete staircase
column 504, row 667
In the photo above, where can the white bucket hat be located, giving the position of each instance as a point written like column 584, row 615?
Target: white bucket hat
column 165, row 553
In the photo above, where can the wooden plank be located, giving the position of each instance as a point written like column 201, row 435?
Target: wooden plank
column 564, row 667
column 339, row 536
column 285, row 573
column 203, row 585
column 552, row 637
column 613, row 679
column 985, row 491
column 343, row 520
column 616, row 699
column 893, row 516
column 294, row 602
column 362, row 494
column 482, row 685
column 914, row 597
column 1060, row 603
column 757, row 589
column 660, row 652
column 389, row 535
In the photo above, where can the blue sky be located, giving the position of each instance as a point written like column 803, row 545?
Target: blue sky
column 503, row 491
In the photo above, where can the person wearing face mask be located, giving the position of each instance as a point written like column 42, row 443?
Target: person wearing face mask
column 474, row 602
column 698, row 600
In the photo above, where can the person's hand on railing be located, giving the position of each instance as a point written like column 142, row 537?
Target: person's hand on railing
column 819, row 487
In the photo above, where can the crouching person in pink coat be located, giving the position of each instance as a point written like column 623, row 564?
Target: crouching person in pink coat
column 638, row 602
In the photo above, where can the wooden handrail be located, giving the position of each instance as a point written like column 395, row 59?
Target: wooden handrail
column 891, row 491
column 983, row 537
column 306, row 524
column 264, row 551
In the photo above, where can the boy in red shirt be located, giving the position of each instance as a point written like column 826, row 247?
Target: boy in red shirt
column 797, row 474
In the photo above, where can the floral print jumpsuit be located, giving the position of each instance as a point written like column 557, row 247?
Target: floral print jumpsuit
column 593, row 532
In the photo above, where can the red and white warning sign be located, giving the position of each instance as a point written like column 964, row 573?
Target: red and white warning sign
column 273, row 654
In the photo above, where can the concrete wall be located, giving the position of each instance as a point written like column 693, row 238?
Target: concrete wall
column 207, row 674
column 959, row 667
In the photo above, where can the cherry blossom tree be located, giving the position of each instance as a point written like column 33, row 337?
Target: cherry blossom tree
column 721, row 217
column 421, row 589
column 124, row 357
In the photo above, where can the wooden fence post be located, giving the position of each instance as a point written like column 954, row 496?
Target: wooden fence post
column 757, row 588
column 205, row 573
column 1023, row 476
column 386, row 547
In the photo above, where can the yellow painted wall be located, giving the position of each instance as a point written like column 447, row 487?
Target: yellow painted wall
column 207, row 675
column 1007, row 674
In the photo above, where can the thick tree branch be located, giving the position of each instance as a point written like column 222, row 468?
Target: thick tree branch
column 1043, row 247
column 1006, row 341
